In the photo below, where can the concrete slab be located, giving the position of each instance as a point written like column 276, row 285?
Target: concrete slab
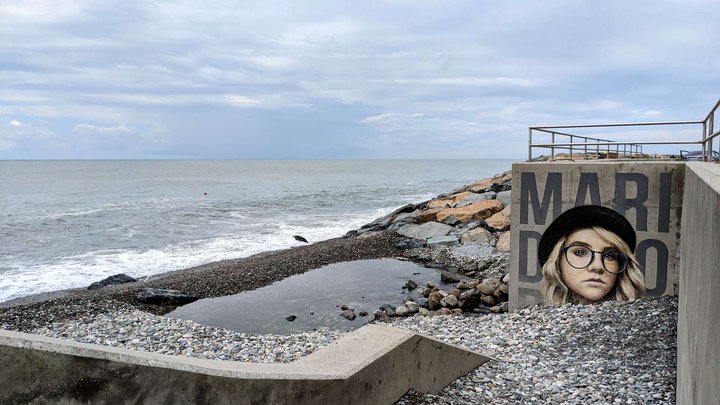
column 374, row 364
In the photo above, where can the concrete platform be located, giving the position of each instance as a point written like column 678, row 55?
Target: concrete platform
column 372, row 365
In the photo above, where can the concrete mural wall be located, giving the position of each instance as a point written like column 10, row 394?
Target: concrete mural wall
column 698, row 372
column 648, row 194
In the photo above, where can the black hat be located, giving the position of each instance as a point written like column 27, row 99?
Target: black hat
column 585, row 216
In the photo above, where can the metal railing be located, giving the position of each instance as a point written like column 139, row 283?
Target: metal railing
column 621, row 149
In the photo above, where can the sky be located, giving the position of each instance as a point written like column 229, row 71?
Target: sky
column 343, row 79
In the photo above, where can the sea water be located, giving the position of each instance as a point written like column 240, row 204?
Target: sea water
column 65, row 224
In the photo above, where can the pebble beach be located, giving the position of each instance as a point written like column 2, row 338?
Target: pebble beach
column 612, row 353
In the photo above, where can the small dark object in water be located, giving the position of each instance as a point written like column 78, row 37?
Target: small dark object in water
column 291, row 318
column 300, row 238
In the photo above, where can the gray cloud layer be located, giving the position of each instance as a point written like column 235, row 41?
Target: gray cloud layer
column 400, row 79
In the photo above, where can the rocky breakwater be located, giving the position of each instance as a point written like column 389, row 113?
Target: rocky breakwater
column 466, row 234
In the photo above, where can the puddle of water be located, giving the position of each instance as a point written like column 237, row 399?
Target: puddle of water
column 314, row 297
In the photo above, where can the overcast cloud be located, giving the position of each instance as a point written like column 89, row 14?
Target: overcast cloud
column 343, row 79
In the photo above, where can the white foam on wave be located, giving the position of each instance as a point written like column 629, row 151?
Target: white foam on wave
column 77, row 271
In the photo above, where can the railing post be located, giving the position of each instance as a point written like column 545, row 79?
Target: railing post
column 529, row 144
column 552, row 150
column 571, row 148
column 585, row 158
column 710, row 142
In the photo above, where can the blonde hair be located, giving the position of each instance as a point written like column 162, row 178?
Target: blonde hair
column 630, row 284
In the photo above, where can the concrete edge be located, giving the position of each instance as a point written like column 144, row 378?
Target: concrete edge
column 377, row 363
column 707, row 172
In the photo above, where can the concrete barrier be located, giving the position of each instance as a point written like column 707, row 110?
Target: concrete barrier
column 698, row 372
column 372, row 365
column 648, row 193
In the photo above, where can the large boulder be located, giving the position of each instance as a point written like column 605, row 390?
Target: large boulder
column 504, row 197
column 442, row 241
column 472, row 198
column 112, row 280
column 500, row 220
column 429, row 215
column 498, row 183
column 477, row 235
column 503, row 243
column 478, row 210
column 440, row 203
column 424, row 231
column 163, row 297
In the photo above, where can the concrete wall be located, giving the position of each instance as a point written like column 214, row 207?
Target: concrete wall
column 649, row 194
column 698, row 372
column 372, row 365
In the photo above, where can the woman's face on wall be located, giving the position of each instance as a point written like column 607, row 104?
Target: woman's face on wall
column 592, row 282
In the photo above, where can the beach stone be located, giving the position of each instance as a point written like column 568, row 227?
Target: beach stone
column 448, row 277
column 500, row 220
column 379, row 316
column 503, row 243
column 121, row 278
column 423, row 302
column 488, row 286
column 444, row 311
column 482, row 265
column 477, row 235
column 348, row 314
column 456, row 292
column 462, row 286
column 424, row 231
column 291, row 318
column 504, row 306
column 363, row 313
column 411, row 285
column 164, row 297
column 402, row 311
column 388, row 309
column 488, row 299
column 450, row 301
column 506, row 278
column 473, row 282
column 496, row 309
column 413, row 307
column 423, row 311
column 434, row 301
column 442, row 241
column 478, row 210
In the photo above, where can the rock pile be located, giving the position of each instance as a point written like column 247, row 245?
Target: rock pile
column 466, row 232
column 471, row 295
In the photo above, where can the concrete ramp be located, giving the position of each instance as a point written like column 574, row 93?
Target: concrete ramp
column 372, row 365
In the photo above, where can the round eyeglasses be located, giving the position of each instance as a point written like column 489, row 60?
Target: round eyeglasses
column 580, row 257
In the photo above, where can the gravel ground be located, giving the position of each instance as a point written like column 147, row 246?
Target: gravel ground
column 612, row 353
column 129, row 328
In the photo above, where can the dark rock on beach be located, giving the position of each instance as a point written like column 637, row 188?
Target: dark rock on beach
column 165, row 297
column 112, row 280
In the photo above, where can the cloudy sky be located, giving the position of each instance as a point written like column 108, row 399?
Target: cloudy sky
column 342, row 79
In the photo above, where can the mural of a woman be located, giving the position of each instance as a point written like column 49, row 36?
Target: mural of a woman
column 587, row 256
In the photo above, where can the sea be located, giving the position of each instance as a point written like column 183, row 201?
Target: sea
column 66, row 224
